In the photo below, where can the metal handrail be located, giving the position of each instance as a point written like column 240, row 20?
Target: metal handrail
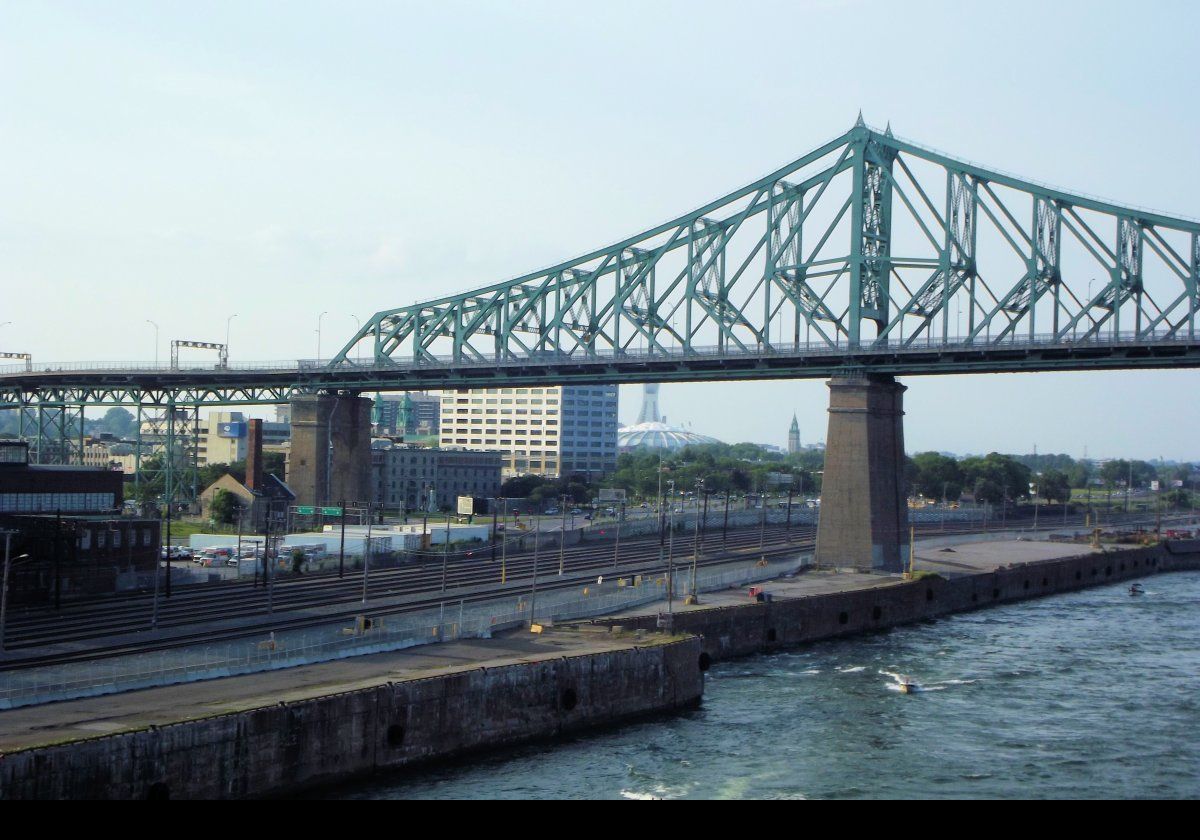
column 839, row 347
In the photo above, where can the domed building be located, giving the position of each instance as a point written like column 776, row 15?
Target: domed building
column 652, row 432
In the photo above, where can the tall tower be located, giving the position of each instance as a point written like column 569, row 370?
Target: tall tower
column 794, row 436
column 649, row 412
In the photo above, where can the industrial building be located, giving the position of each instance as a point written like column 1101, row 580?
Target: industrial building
column 549, row 431
column 68, row 521
column 261, row 493
column 419, row 478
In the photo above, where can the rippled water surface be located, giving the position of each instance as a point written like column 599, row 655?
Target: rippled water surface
column 1094, row 694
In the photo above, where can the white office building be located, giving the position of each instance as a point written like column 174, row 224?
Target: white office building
column 548, row 431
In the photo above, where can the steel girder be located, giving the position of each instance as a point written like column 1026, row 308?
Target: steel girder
column 844, row 248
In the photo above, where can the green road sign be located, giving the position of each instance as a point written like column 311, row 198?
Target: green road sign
column 308, row 510
column 304, row 510
column 331, row 511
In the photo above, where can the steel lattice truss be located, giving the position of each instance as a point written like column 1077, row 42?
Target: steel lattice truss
column 868, row 243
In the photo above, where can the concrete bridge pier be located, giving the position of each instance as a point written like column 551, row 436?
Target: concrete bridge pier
column 864, row 504
column 330, row 458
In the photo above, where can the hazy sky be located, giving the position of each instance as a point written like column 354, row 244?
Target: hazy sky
column 182, row 162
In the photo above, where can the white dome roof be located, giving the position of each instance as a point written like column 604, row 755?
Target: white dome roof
column 655, row 435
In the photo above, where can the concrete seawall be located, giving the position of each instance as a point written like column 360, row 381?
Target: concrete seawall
column 745, row 629
column 286, row 747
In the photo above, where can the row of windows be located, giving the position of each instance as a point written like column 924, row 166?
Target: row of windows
column 102, row 537
column 54, row 502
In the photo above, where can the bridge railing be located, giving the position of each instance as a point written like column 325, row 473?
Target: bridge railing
column 841, row 347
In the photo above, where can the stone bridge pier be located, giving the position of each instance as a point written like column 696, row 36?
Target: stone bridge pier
column 864, row 504
column 330, row 458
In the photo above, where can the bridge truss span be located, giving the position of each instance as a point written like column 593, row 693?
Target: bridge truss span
column 867, row 244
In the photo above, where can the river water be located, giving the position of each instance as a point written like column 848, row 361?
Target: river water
column 1092, row 694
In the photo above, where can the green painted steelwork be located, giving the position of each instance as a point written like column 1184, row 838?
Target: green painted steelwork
column 733, row 274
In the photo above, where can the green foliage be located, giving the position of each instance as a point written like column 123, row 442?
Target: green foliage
column 225, row 507
column 995, row 477
column 1179, row 499
column 10, row 423
column 737, row 468
column 538, row 489
column 936, row 476
column 1055, row 486
column 1117, row 473
column 117, row 422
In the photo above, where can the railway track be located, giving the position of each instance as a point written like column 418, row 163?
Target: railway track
column 42, row 633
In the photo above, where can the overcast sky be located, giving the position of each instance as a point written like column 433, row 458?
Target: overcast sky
column 183, row 162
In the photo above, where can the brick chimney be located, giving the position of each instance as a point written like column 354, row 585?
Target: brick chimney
column 255, row 478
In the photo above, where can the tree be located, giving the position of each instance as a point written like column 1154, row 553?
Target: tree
column 996, row 477
column 225, row 507
column 1055, row 486
column 1178, row 499
column 936, row 476
column 521, row 486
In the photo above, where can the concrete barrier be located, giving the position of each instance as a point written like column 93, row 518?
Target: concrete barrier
column 284, row 748
column 742, row 630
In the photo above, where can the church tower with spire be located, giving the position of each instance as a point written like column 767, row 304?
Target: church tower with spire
column 794, row 436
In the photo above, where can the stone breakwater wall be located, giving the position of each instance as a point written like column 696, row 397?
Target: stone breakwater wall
column 761, row 627
column 282, row 749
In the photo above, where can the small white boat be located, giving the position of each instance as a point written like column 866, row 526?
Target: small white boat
column 1137, row 589
column 907, row 685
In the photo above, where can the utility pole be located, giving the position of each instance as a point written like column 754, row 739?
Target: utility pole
column 725, row 527
column 504, row 548
column 671, row 556
column 788, row 528
column 367, row 558
column 562, row 537
column 617, row 547
column 342, row 546
column 446, row 552
column 537, row 529
column 495, row 524
column 693, row 595
column 762, row 531
column 8, row 561
column 1128, row 488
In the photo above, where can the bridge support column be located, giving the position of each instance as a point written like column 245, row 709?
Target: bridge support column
column 330, row 458
column 864, row 503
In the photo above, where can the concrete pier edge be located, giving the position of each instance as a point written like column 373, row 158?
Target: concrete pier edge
column 287, row 748
column 734, row 631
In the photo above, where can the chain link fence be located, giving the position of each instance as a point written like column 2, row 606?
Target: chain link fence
column 374, row 631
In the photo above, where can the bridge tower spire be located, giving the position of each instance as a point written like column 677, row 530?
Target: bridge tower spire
column 871, row 234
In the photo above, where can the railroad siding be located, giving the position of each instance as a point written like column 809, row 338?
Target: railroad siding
column 281, row 749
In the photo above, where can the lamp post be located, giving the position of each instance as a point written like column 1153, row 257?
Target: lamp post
column 537, row 527
column 617, row 546
column 367, row 559
column 504, row 548
column 671, row 553
column 8, row 561
column 693, row 595
column 320, row 318
column 562, row 537
column 151, row 323
column 228, row 321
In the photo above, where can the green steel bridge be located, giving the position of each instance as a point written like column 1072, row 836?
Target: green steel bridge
column 869, row 254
